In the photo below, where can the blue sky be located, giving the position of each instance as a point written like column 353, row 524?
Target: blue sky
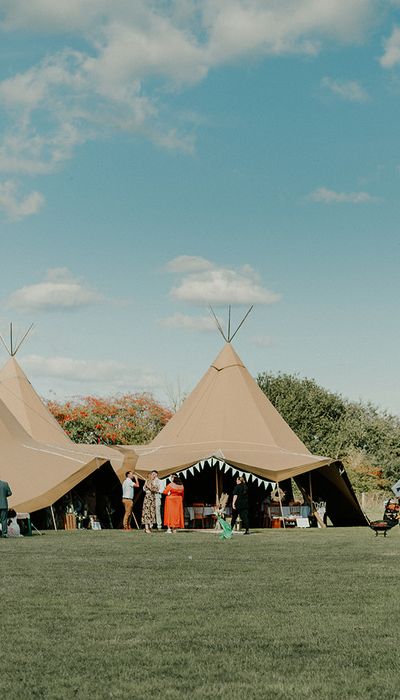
column 159, row 156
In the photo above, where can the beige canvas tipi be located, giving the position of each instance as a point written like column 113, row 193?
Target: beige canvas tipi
column 38, row 473
column 20, row 398
column 227, row 416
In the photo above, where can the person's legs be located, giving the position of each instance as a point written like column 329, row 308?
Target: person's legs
column 234, row 517
column 244, row 516
column 128, row 504
column 3, row 521
column 158, row 511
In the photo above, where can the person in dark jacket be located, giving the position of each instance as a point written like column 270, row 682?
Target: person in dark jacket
column 240, row 504
column 5, row 492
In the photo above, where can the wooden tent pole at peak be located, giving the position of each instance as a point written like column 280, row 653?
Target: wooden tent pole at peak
column 241, row 322
column 218, row 325
column 10, row 348
column 23, row 338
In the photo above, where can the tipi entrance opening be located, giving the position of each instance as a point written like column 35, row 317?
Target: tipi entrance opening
column 97, row 496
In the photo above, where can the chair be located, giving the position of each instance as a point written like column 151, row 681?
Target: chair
column 198, row 514
column 275, row 511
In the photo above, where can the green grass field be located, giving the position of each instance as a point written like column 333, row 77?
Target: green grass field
column 297, row 614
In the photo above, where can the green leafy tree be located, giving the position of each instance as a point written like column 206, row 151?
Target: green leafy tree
column 365, row 439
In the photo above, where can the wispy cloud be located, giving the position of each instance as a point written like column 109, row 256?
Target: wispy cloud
column 15, row 206
column 391, row 53
column 188, row 263
column 60, row 290
column 100, row 372
column 348, row 90
column 208, row 283
column 322, row 194
column 190, row 323
column 261, row 341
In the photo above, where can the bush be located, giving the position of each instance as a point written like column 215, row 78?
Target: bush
column 124, row 420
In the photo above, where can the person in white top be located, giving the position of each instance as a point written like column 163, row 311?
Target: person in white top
column 127, row 497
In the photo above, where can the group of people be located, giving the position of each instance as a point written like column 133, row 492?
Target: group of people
column 151, row 510
column 173, row 506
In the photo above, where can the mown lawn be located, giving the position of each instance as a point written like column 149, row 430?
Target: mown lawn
column 298, row 614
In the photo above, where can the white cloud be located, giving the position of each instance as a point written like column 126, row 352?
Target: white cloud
column 108, row 85
column 59, row 291
column 49, row 15
column 261, row 341
column 322, row 194
column 191, row 323
column 245, row 27
column 221, row 285
column 100, row 372
column 349, row 90
column 391, row 54
column 188, row 263
column 71, row 369
column 18, row 207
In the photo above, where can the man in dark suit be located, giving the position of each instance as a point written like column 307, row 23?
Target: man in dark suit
column 240, row 504
column 5, row 492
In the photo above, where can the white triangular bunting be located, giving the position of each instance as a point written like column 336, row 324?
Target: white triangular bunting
column 191, row 469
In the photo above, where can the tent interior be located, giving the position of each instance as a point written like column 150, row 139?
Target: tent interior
column 328, row 487
column 97, row 496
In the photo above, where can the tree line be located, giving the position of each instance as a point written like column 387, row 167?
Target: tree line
column 364, row 438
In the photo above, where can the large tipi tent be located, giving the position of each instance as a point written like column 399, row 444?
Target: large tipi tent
column 19, row 397
column 38, row 473
column 229, row 418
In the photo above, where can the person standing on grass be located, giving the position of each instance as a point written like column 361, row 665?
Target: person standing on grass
column 128, row 485
column 173, row 508
column 5, row 492
column 151, row 489
column 240, row 504
column 158, row 501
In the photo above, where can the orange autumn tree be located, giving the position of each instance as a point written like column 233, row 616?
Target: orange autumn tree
column 124, row 420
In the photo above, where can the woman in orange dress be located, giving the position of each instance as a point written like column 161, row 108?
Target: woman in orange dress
column 173, row 506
